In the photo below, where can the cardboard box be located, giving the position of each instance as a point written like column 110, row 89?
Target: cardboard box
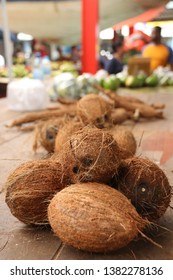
column 137, row 64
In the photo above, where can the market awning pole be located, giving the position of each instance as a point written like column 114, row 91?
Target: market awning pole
column 6, row 36
column 90, row 11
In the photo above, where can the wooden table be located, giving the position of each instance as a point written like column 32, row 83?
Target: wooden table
column 18, row 241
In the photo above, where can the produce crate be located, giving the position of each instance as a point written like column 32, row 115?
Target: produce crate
column 137, row 64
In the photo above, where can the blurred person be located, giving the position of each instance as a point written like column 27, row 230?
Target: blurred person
column 159, row 53
column 115, row 65
column 102, row 61
column 75, row 54
column 60, row 54
column 18, row 55
column 42, row 48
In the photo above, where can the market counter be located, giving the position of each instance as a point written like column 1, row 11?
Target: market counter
column 18, row 241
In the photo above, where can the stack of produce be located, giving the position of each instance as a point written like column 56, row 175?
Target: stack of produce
column 93, row 191
column 62, row 67
column 66, row 85
column 18, row 71
column 86, row 83
column 105, row 110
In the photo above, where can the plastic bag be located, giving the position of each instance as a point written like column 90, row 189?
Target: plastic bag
column 27, row 95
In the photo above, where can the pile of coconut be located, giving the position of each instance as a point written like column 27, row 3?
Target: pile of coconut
column 93, row 191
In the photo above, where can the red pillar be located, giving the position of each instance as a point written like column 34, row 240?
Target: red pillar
column 90, row 11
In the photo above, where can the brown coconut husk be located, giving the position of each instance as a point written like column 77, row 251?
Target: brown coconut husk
column 93, row 109
column 31, row 186
column 91, row 154
column 94, row 217
column 46, row 132
column 125, row 139
column 65, row 133
column 146, row 185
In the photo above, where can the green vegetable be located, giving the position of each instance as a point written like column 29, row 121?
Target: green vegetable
column 152, row 80
column 111, row 82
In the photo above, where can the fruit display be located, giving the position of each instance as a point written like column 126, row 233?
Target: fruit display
column 87, row 83
column 3, row 72
column 165, row 76
column 111, row 82
column 152, row 80
column 18, row 71
column 63, row 66
column 65, row 85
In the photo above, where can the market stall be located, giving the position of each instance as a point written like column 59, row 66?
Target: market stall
column 19, row 241
column 58, row 141
column 16, row 15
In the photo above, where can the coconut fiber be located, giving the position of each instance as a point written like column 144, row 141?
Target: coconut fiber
column 94, row 217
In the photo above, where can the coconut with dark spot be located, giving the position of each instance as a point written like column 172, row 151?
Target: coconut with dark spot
column 94, row 217
column 91, row 154
column 146, row 185
column 94, row 109
column 30, row 187
column 45, row 133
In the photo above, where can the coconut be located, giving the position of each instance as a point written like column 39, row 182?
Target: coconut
column 94, row 217
column 45, row 133
column 65, row 133
column 93, row 109
column 125, row 139
column 146, row 185
column 91, row 154
column 30, row 187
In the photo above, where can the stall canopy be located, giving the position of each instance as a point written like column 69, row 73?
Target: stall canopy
column 61, row 20
column 136, row 41
column 144, row 17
